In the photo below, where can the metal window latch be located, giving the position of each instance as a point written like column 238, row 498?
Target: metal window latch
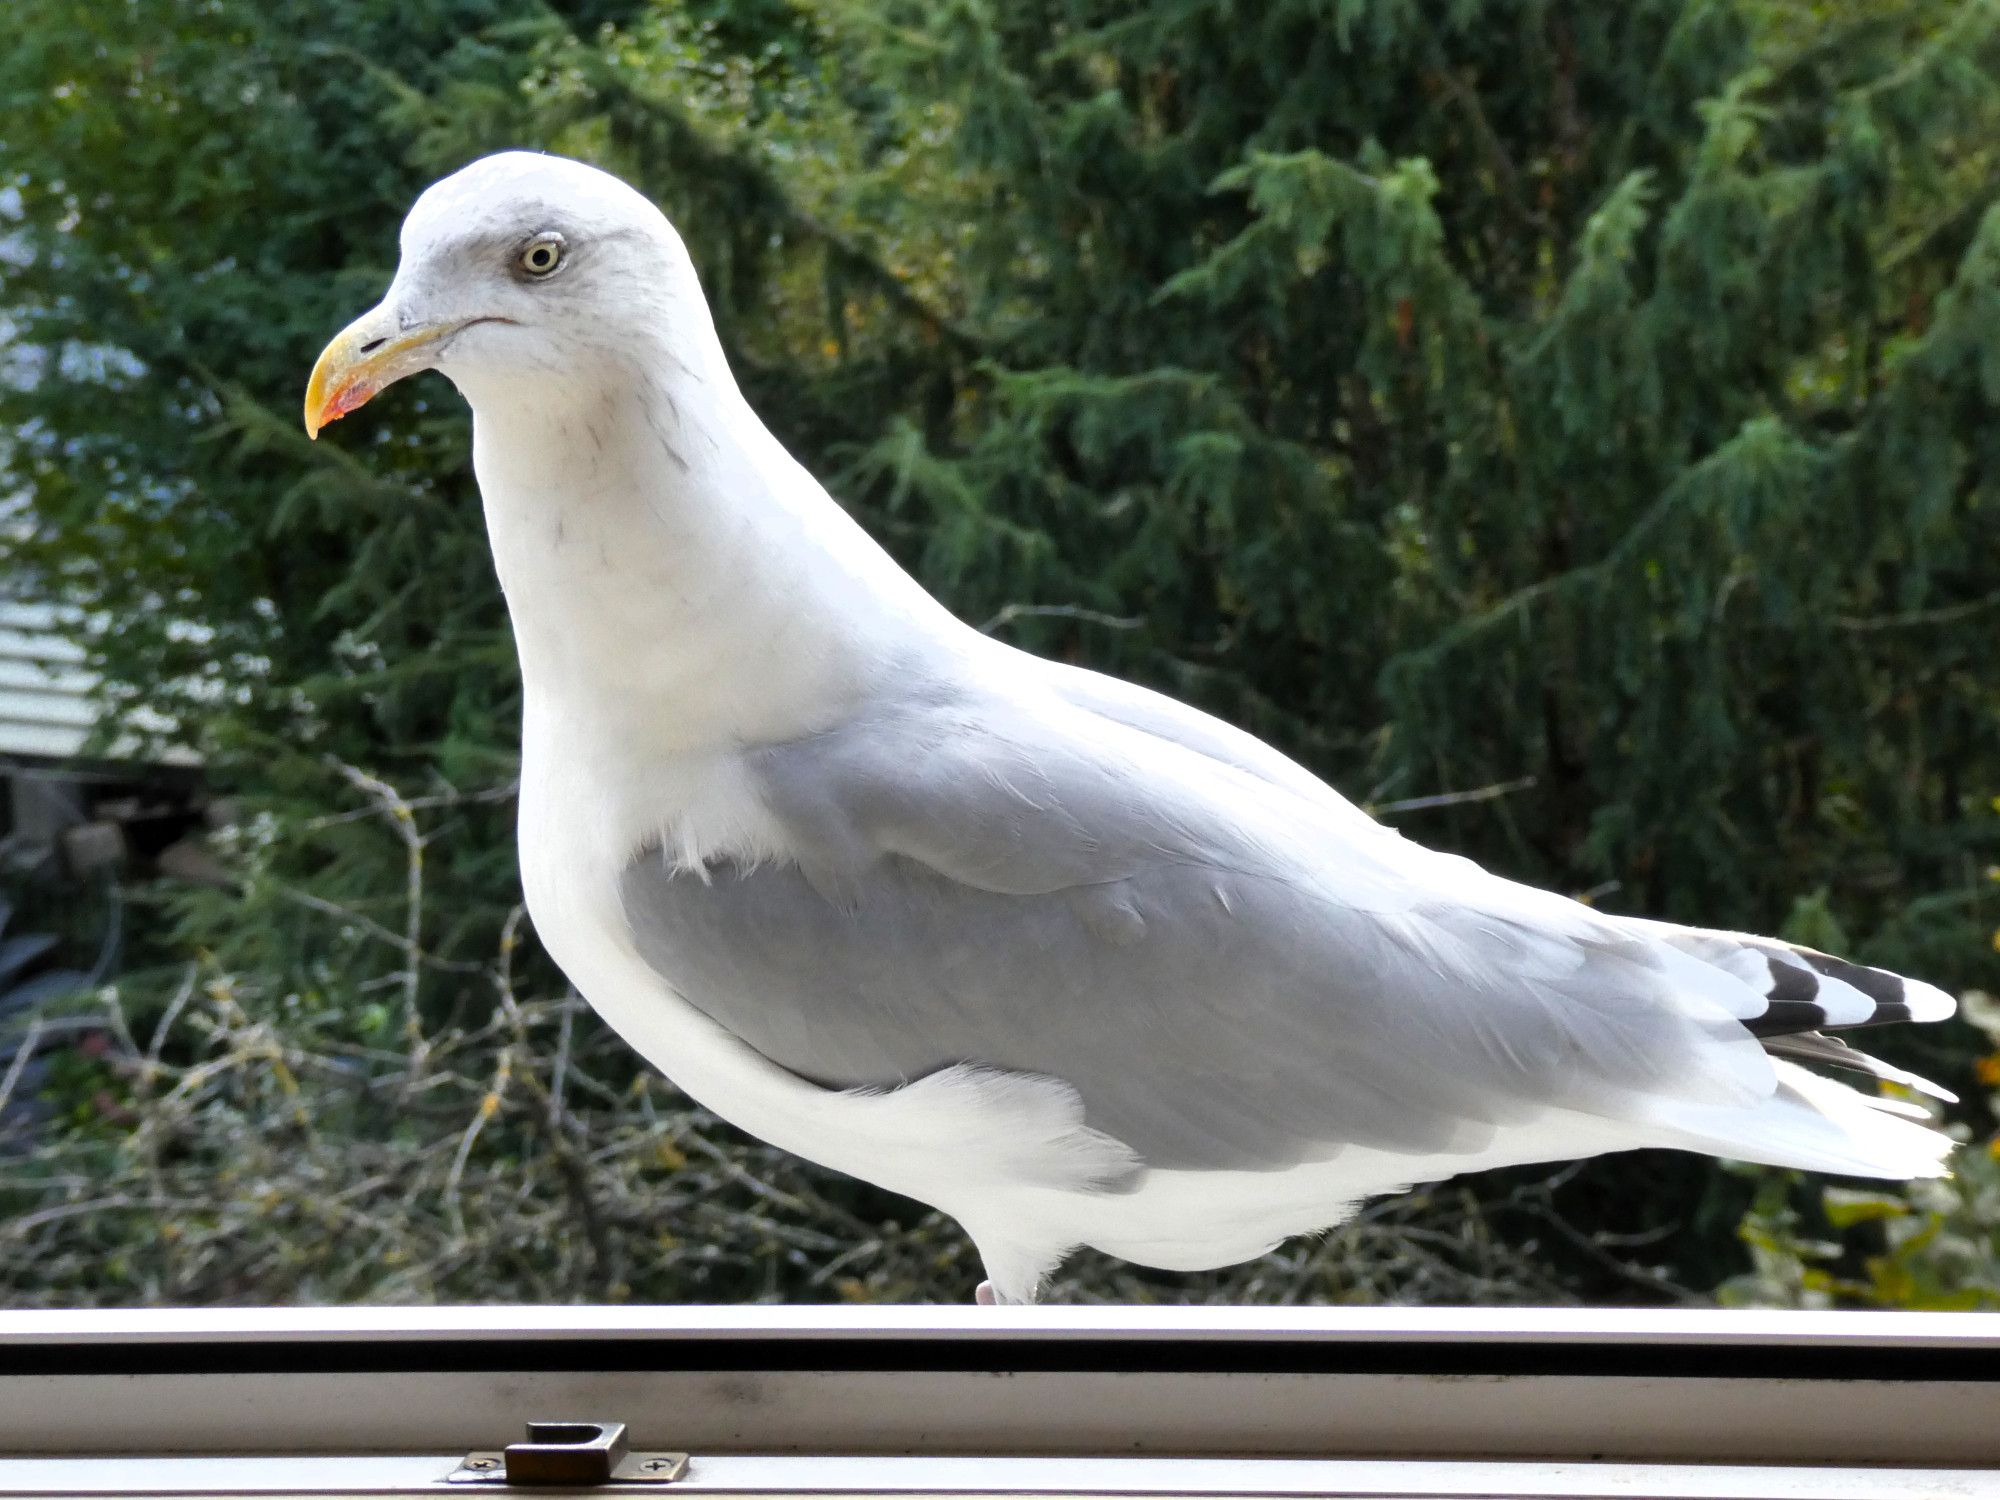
column 574, row 1455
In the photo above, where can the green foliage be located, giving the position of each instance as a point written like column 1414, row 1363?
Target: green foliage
column 1596, row 397
column 1932, row 1245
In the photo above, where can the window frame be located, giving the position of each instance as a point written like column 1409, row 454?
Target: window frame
column 1388, row 1401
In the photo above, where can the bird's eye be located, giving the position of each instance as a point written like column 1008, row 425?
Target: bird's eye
column 542, row 254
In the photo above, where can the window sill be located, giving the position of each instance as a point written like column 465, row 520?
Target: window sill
column 1126, row 1401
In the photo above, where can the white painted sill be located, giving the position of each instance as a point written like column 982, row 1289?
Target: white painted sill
column 951, row 1401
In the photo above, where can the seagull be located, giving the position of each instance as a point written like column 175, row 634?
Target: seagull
column 1062, row 957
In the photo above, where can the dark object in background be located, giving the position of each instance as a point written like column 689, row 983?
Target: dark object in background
column 30, row 979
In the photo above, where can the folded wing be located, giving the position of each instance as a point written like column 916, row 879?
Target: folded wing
column 1224, row 969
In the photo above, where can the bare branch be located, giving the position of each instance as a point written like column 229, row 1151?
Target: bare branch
column 1452, row 799
column 1013, row 612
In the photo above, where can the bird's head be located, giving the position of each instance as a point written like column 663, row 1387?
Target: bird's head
column 515, row 269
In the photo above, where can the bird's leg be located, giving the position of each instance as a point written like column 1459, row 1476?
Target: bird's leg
column 1013, row 1278
column 988, row 1295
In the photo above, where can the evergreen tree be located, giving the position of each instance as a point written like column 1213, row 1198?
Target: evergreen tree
column 1593, row 397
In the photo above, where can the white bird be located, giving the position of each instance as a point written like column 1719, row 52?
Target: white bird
column 1062, row 957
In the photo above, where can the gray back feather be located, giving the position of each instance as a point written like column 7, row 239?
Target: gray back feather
column 1226, row 970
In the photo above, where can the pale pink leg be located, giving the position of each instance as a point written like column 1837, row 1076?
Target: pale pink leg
column 984, row 1296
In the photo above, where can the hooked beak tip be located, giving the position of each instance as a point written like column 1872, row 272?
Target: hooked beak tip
column 364, row 359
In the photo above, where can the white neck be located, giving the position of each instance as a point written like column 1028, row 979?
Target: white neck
column 674, row 576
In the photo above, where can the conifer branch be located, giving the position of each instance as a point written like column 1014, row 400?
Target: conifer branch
column 1506, row 175
column 714, row 162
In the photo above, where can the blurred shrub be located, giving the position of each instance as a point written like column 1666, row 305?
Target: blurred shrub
column 1932, row 1245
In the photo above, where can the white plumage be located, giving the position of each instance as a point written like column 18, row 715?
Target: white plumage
column 1063, row 957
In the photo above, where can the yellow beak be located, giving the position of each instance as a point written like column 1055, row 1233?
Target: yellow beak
column 365, row 358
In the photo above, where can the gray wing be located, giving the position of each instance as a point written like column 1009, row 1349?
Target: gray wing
column 1167, row 718
column 1224, row 971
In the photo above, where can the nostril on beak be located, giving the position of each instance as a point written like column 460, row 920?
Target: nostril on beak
column 371, row 346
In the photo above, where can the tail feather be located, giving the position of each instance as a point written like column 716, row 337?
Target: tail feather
column 1819, row 1125
column 1789, row 997
column 1832, row 1052
column 1803, row 989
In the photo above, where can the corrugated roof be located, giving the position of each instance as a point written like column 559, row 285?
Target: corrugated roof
column 46, row 710
column 45, row 707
